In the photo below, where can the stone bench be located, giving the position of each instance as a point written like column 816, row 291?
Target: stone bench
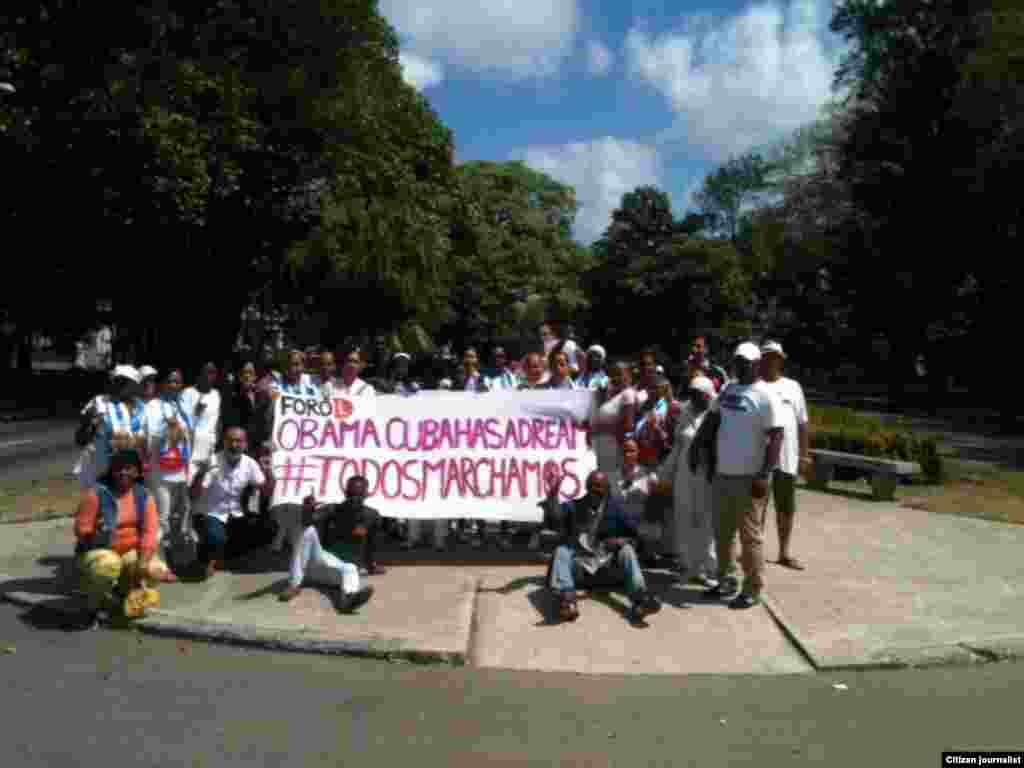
column 885, row 473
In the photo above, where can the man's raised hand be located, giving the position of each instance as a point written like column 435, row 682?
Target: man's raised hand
column 552, row 480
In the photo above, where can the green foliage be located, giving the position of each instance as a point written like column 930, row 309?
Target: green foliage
column 848, row 431
column 514, row 241
column 739, row 183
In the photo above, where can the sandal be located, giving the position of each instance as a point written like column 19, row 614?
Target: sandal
column 567, row 610
column 792, row 562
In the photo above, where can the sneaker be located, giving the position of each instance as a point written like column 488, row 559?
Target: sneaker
column 289, row 594
column 350, row 602
column 723, row 590
column 704, row 581
column 644, row 605
column 745, row 601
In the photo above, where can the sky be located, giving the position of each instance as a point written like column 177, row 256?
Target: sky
column 609, row 95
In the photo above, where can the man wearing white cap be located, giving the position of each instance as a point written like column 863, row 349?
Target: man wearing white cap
column 110, row 423
column 739, row 442
column 795, row 458
column 147, row 377
column 693, row 504
column 595, row 378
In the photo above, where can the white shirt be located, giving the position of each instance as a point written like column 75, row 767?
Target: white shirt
column 609, row 413
column 121, row 419
column 359, row 388
column 794, row 414
column 306, row 387
column 748, row 412
column 223, row 486
column 157, row 414
column 206, row 424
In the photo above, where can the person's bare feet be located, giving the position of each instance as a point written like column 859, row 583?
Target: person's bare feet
column 792, row 562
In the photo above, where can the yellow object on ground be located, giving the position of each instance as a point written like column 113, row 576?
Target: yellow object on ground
column 103, row 569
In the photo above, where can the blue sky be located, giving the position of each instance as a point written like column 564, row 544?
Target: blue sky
column 608, row 96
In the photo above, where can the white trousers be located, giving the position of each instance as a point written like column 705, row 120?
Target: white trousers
column 174, row 510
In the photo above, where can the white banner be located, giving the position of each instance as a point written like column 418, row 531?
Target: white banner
column 434, row 455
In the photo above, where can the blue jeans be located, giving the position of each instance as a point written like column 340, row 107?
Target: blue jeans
column 624, row 568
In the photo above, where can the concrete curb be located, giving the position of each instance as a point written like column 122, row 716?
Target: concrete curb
column 789, row 631
column 295, row 639
column 960, row 654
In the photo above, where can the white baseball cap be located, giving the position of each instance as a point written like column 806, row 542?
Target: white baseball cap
column 125, row 372
column 773, row 346
column 748, row 351
column 146, row 371
column 703, row 384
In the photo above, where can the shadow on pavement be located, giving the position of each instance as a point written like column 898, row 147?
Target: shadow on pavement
column 50, row 617
column 275, row 589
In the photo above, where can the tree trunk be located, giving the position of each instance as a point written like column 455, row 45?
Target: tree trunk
column 24, row 342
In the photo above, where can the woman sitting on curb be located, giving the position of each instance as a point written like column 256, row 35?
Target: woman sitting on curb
column 117, row 527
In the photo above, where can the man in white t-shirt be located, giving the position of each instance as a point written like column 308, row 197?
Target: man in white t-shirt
column 217, row 489
column 743, row 434
column 794, row 459
column 202, row 404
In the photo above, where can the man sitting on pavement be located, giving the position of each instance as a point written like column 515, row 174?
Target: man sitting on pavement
column 597, row 548
column 350, row 529
column 220, row 484
column 310, row 561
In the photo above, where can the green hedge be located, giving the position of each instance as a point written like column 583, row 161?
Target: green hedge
column 883, row 443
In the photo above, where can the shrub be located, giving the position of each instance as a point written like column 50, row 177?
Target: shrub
column 883, row 444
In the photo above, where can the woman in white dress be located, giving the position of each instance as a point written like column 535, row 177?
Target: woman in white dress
column 693, row 506
column 613, row 417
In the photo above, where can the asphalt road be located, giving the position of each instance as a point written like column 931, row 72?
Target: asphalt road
column 120, row 698
column 36, row 450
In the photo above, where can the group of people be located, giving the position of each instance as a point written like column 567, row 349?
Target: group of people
column 178, row 479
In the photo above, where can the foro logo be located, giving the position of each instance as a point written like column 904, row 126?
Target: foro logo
column 342, row 409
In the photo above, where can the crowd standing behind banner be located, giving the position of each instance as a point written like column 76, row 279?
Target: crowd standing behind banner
column 205, row 462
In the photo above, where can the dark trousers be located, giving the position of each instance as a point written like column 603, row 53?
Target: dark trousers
column 226, row 542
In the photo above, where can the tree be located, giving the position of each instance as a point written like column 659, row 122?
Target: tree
column 730, row 189
column 655, row 281
column 513, row 241
column 909, row 157
column 204, row 140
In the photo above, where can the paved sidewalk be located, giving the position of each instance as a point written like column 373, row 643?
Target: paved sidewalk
column 885, row 586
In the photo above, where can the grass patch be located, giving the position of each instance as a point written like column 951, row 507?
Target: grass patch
column 39, row 501
column 976, row 490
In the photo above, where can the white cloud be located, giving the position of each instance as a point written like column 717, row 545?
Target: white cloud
column 518, row 39
column 742, row 81
column 601, row 171
column 420, row 72
column 599, row 58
